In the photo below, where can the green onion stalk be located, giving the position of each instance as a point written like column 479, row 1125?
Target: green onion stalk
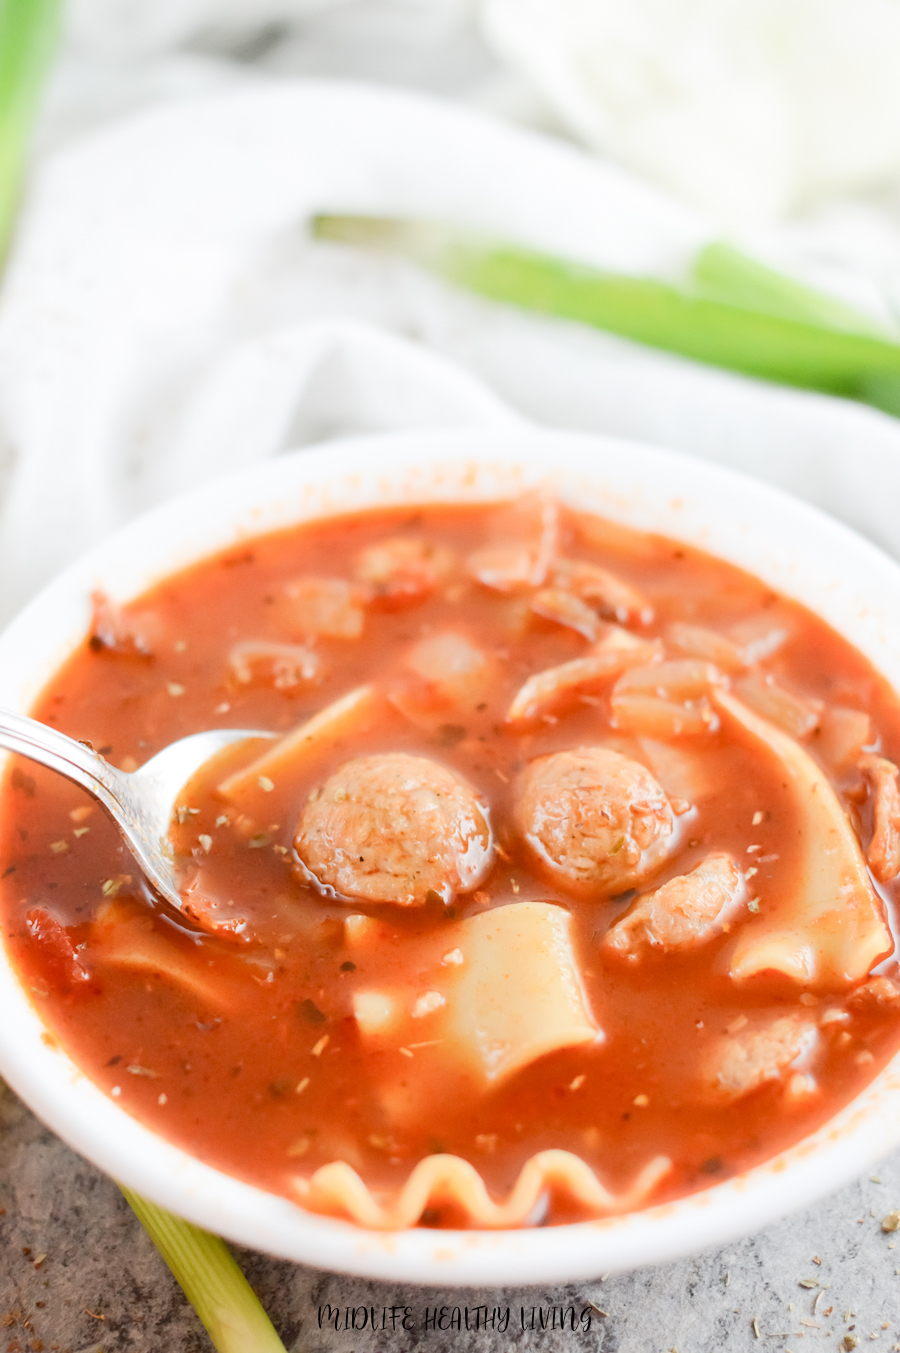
column 731, row 311
column 29, row 32
column 211, row 1280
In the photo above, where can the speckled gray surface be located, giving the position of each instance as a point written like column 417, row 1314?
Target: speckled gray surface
column 102, row 1285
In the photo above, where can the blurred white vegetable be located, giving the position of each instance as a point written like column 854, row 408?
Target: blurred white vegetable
column 748, row 108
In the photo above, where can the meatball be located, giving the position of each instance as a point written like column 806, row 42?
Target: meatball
column 739, row 1062
column 598, row 822
column 685, row 912
column 394, row 828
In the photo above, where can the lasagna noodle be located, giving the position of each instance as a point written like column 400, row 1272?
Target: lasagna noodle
column 337, row 1190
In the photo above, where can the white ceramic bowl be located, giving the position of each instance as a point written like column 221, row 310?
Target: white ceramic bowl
column 796, row 549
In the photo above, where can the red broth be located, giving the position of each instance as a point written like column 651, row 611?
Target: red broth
column 246, row 1047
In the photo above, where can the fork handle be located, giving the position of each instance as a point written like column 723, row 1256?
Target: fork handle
column 75, row 760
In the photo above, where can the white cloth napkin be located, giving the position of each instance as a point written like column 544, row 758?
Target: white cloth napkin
column 166, row 317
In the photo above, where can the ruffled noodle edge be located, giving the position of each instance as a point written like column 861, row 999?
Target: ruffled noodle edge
column 338, row 1191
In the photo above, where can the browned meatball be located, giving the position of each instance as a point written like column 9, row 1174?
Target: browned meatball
column 682, row 914
column 598, row 822
column 739, row 1062
column 394, row 828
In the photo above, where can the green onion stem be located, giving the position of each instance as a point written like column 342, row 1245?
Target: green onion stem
column 734, row 312
column 211, row 1280
column 722, row 272
column 29, row 33
column 29, row 30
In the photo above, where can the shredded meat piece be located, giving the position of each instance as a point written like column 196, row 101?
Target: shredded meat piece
column 597, row 821
column 57, row 949
column 215, row 915
column 609, row 595
column 401, row 571
column 284, row 666
column 883, row 853
column 112, row 631
column 682, row 914
column 877, row 991
column 394, row 828
column 739, row 1062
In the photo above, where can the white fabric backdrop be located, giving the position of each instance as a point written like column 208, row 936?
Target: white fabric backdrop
column 166, row 317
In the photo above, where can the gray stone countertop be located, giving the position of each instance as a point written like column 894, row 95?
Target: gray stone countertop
column 102, row 1286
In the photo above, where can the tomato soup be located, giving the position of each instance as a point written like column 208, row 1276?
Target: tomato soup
column 573, row 860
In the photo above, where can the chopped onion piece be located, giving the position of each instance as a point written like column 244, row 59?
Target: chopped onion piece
column 707, row 644
column 526, row 535
column 796, row 714
column 758, row 638
column 666, row 699
column 679, row 679
column 562, row 608
column 683, row 772
column 647, row 716
column 375, row 1012
column 315, row 607
column 451, row 669
column 616, row 651
column 843, row 733
column 606, row 593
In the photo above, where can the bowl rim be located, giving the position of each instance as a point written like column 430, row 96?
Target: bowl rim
column 794, row 547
